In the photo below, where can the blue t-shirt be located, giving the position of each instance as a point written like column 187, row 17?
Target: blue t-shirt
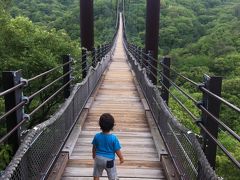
column 106, row 145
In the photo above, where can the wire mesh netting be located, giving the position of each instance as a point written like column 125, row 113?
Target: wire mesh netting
column 182, row 144
column 43, row 143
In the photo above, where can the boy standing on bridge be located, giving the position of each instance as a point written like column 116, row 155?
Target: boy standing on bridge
column 105, row 145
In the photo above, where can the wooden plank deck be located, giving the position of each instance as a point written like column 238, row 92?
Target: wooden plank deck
column 118, row 95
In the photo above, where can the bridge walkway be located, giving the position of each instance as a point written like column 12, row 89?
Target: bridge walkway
column 118, row 95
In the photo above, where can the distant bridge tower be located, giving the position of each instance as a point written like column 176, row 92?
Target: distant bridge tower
column 87, row 31
column 152, row 33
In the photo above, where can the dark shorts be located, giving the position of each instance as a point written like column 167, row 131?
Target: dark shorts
column 100, row 164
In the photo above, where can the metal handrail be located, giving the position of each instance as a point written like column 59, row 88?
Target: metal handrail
column 134, row 51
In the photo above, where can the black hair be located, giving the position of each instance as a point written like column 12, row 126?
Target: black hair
column 106, row 122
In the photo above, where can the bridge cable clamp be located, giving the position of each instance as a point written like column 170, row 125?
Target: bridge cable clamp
column 27, row 117
column 72, row 77
column 24, row 81
column 201, row 85
column 199, row 104
column 198, row 121
column 26, row 99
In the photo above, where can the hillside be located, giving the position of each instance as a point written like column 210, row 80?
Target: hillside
column 64, row 14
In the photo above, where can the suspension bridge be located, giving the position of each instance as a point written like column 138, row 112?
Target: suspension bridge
column 121, row 82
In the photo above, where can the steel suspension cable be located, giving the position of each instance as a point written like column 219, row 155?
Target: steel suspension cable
column 230, row 131
column 41, row 90
column 48, row 99
column 225, row 151
column 21, row 104
column 5, row 137
column 180, row 103
column 190, row 97
column 220, row 99
column 49, row 71
column 12, row 89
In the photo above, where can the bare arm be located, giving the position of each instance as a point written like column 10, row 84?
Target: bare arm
column 120, row 156
column 93, row 151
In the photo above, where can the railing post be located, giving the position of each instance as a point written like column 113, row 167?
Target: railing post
column 94, row 57
column 67, row 78
column 84, row 63
column 108, row 48
column 214, row 85
column 135, row 51
column 141, row 57
column 11, row 79
column 99, row 53
column 104, row 50
column 139, row 54
column 166, row 74
column 145, row 58
column 148, row 68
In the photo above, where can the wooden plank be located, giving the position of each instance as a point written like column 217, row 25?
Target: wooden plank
column 127, row 164
column 125, row 150
column 171, row 173
column 105, row 178
column 137, row 172
column 134, row 141
column 156, row 135
column 127, row 157
column 59, row 167
column 89, row 103
column 145, row 104
column 120, row 134
column 116, row 129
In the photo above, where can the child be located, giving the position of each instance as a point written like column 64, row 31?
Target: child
column 105, row 145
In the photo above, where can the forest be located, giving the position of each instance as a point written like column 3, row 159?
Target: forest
column 200, row 36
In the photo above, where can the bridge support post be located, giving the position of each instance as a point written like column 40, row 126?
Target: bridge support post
column 84, row 63
column 100, row 52
column 166, row 74
column 152, row 32
column 214, row 85
column 139, row 54
column 94, row 57
column 148, row 63
column 141, row 58
column 86, row 25
column 67, row 78
column 11, row 79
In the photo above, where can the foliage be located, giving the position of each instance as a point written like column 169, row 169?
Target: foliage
column 223, row 164
column 33, row 49
column 65, row 15
column 180, row 113
column 5, row 151
column 105, row 13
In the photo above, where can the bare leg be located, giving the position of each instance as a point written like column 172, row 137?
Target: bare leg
column 95, row 178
